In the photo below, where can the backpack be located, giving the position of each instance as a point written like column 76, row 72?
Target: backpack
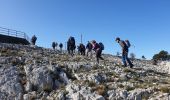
column 128, row 43
column 101, row 46
column 124, row 45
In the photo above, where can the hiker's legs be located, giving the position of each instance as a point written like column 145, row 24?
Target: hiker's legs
column 100, row 53
column 97, row 60
column 61, row 50
column 68, row 49
column 91, row 53
column 81, row 52
column 84, row 53
column 124, row 59
column 33, row 42
column 97, row 56
column 128, row 60
column 72, row 52
column 87, row 52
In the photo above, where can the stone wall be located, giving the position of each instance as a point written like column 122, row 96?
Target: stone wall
column 13, row 40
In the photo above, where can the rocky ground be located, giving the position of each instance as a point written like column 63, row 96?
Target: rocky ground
column 35, row 73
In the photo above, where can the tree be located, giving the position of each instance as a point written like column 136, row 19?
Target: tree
column 156, row 57
column 162, row 55
column 132, row 56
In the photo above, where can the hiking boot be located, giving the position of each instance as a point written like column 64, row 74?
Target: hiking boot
column 131, row 66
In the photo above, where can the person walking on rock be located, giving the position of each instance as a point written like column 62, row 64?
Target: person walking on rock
column 33, row 39
column 89, row 49
column 53, row 45
column 98, row 50
column 71, row 45
column 124, row 52
column 81, row 49
column 61, row 46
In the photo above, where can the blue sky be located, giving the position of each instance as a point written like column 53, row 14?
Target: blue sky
column 146, row 23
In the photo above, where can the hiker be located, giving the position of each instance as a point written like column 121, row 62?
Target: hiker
column 34, row 39
column 81, row 49
column 98, row 50
column 71, row 45
column 89, row 49
column 53, row 45
column 61, row 46
column 124, row 52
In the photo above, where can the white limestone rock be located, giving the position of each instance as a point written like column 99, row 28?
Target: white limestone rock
column 10, row 85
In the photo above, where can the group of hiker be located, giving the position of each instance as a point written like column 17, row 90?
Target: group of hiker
column 93, row 46
column 55, row 44
column 85, row 50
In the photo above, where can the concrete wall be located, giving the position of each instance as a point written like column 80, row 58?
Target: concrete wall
column 13, row 40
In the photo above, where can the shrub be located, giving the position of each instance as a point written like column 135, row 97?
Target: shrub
column 165, row 89
column 120, row 86
column 127, row 70
column 91, row 84
column 128, row 88
column 62, row 87
column 101, row 90
column 162, row 55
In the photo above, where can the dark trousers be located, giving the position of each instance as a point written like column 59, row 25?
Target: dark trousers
column 98, row 55
column 125, row 58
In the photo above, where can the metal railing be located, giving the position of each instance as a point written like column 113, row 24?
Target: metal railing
column 14, row 33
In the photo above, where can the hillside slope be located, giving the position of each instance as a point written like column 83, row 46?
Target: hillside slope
column 30, row 72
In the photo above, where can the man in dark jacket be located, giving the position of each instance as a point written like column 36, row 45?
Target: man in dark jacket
column 124, row 52
column 61, row 46
column 34, row 39
column 82, row 49
column 71, row 45
column 53, row 45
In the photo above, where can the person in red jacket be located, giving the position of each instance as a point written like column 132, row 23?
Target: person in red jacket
column 98, row 50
